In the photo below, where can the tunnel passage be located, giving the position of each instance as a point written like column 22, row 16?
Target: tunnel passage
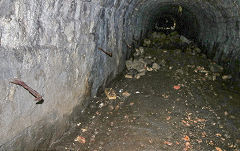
column 53, row 46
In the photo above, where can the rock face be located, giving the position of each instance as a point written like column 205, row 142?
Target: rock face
column 53, row 47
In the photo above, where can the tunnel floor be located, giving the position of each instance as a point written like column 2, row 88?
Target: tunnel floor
column 179, row 107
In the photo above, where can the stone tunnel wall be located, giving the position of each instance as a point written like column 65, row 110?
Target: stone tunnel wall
column 52, row 45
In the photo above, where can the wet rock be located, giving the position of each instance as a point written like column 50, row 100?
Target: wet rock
column 155, row 66
column 185, row 40
column 135, row 64
column 215, row 68
column 226, row 77
column 133, row 72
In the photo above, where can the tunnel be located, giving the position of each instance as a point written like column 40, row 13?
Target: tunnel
column 55, row 46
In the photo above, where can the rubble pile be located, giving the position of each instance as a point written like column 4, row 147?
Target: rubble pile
column 145, row 58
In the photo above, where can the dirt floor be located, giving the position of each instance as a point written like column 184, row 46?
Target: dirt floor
column 181, row 107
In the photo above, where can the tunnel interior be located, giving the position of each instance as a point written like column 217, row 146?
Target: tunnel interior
column 43, row 42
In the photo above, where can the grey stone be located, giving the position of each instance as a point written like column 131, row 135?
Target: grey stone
column 135, row 64
column 185, row 40
column 155, row 66
column 215, row 68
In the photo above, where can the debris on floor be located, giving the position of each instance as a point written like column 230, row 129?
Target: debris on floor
column 181, row 101
column 110, row 93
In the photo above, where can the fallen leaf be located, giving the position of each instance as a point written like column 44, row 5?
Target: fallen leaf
column 218, row 135
column 176, row 87
column 131, row 104
column 80, row 139
column 168, row 118
column 186, row 138
column 167, row 143
column 83, row 129
column 218, row 149
column 126, row 94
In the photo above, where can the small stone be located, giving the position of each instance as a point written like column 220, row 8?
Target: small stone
column 215, row 68
column 128, row 76
column 149, row 69
column 185, row 40
column 226, row 77
column 135, row 64
column 155, row 66
column 137, row 76
column 101, row 105
column 132, row 72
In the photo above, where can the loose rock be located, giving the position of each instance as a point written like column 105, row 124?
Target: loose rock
column 155, row 66
column 226, row 77
column 215, row 68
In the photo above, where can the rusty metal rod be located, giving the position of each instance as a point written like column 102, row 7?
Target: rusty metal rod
column 107, row 53
column 37, row 96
